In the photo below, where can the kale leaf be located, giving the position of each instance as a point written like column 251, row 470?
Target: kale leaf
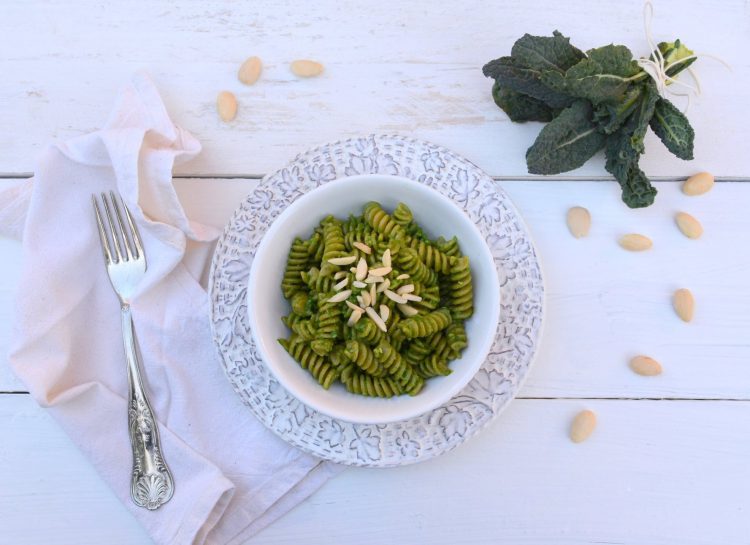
column 610, row 117
column 566, row 142
column 623, row 151
column 546, row 53
column 602, row 77
column 513, row 75
column 673, row 128
column 520, row 107
column 600, row 99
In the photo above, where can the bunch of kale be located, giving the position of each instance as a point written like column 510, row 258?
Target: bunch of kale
column 600, row 99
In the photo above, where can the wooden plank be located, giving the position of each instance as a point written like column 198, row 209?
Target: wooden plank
column 604, row 305
column 409, row 68
column 50, row 493
column 657, row 472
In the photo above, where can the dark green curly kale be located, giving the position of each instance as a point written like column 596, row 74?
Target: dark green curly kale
column 601, row 99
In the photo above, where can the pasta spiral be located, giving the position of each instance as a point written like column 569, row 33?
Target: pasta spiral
column 383, row 222
column 425, row 324
column 333, row 244
column 295, row 264
column 402, row 215
column 409, row 261
column 431, row 256
column 299, row 303
column 448, row 247
column 314, row 363
column 433, row 366
column 394, row 364
column 362, row 355
column 368, row 332
column 305, row 329
column 330, row 327
column 316, row 281
column 462, row 291
column 367, row 385
column 455, row 334
column 417, row 350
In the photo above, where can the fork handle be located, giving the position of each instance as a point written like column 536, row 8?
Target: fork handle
column 151, row 484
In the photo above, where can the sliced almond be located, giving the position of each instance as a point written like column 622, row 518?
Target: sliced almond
column 373, row 295
column 354, row 318
column 361, row 301
column 362, row 247
column 402, row 276
column 408, row 288
column 365, row 299
column 385, row 312
column 306, row 68
column 411, row 297
column 353, row 306
column 579, row 221
column 226, row 105
column 339, row 275
column 375, row 318
column 395, row 297
column 340, row 296
column 635, row 242
column 384, row 285
column 380, row 271
column 684, row 304
column 688, row 225
column 372, row 279
column 353, row 270
column 361, row 271
column 643, row 365
column 387, row 257
column 407, row 310
column 347, row 260
column 582, row 427
column 341, row 285
column 250, row 70
column 358, row 284
column 698, row 184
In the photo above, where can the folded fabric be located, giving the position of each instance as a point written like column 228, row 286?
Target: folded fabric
column 232, row 476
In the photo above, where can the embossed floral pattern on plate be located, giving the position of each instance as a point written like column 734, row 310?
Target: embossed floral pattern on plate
column 437, row 431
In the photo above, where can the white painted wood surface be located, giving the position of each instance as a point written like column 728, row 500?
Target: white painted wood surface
column 672, row 469
column 391, row 66
column 653, row 472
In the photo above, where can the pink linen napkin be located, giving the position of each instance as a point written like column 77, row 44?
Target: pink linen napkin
column 232, row 476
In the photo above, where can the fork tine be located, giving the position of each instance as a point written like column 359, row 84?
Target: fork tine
column 125, row 241
column 112, row 231
column 134, row 232
column 102, row 235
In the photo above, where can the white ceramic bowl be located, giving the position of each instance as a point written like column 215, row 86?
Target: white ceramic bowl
column 438, row 216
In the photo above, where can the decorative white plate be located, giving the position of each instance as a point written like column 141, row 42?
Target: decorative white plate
column 439, row 430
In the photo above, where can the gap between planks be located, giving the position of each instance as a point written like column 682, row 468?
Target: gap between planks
column 523, row 178
column 561, row 398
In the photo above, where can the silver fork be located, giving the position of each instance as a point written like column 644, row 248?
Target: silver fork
column 151, row 484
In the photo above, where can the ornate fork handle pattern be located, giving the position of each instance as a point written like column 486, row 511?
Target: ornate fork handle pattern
column 151, row 485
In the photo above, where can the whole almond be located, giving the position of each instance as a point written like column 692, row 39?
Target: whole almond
column 635, row 242
column 226, row 104
column 579, row 221
column 684, row 304
column 583, row 425
column 698, row 184
column 643, row 365
column 250, row 70
column 306, row 69
column 689, row 226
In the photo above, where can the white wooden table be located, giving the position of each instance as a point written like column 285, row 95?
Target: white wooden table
column 670, row 459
